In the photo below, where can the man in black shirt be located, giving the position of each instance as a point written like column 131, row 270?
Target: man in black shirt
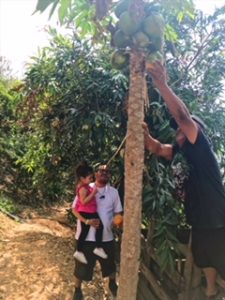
column 204, row 194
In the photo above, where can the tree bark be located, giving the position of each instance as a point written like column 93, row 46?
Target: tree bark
column 134, row 163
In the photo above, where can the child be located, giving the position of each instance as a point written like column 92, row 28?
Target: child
column 86, row 206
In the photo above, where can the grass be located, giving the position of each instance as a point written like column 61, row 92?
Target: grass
column 7, row 205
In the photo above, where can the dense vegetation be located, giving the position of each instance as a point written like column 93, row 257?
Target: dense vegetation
column 71, row 106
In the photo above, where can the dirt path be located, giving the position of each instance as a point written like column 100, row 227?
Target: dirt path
column 36, row 260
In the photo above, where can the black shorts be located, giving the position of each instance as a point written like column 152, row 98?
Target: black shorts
column 108, row 267
column 208, row 248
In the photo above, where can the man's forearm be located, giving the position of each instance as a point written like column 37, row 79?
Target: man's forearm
column 152, row 145
column 176, row 107
column 155, row 147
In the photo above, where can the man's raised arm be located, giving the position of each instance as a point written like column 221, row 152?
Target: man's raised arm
column 155, row 147
column 175, row 105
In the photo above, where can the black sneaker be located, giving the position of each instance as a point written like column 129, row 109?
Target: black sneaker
column 113, row 287
column 78, row 295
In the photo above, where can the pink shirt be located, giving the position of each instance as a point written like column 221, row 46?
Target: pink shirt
column 91, row 206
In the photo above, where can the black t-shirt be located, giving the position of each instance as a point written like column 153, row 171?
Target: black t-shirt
column 204, row 190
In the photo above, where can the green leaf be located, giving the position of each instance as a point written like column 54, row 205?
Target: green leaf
column 63, row 9
column 43, row 4
column 180, row 16
column 53, row 8
column 170, row 33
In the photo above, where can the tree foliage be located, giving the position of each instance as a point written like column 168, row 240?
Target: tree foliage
column 195, row 64
column 73, row 110
column 72, row 106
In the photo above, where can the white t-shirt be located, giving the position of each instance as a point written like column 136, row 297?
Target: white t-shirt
column 108, row 204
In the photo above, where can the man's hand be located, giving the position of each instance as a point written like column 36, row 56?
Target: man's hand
column 155, row 147
column 146, row 135
column 158, row 73
column 118, row 221
column 146, row 130
column 94, row 223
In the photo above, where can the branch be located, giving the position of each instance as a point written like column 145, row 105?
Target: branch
column 117, row 151
column 202, row 46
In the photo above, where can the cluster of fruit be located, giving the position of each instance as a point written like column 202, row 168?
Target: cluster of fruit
column 147, row 34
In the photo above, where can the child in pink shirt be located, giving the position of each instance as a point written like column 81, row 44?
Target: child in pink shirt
column 86, row 206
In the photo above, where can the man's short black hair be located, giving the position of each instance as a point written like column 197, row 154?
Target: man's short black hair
column 174, row 125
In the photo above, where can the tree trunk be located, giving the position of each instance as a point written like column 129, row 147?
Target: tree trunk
column 134, row 163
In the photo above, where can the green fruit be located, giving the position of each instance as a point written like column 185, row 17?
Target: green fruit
column 154, row 26
column 122, row 7
column 120, row 40
column 141, row 39
column 127, row 24
column 119, row 59
column 156, row 44
column 155, row 56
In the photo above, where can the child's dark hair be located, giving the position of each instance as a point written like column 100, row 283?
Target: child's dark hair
column 83, row 170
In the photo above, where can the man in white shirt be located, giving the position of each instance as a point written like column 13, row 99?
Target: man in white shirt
column 108, row 205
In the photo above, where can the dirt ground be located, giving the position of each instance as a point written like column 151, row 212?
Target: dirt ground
column 36, row 258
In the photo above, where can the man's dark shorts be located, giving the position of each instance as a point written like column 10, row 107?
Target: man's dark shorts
column 108, row 267
column 208, row 248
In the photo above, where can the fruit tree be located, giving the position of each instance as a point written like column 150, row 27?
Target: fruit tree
column 135, row 29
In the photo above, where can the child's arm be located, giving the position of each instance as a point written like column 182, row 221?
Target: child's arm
column 83, row 195
column 79, row 216
column 91, row 222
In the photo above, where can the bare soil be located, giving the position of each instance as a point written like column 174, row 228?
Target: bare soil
column 36, row 258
